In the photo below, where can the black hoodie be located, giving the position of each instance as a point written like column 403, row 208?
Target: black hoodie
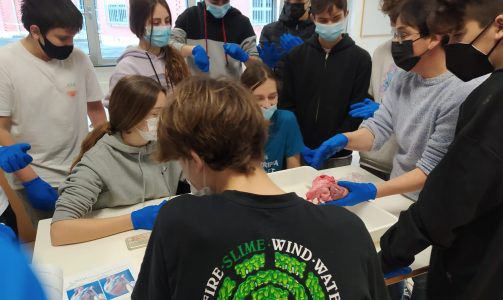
column 319, row 87
column 273, row 31
column 460, row 209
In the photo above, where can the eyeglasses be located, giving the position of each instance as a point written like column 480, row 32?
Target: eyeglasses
column 404, row 36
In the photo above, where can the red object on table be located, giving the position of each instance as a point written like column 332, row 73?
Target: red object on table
column 324, row 189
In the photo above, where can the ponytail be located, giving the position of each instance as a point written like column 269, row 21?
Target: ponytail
column 91, row 139
column 176, row 68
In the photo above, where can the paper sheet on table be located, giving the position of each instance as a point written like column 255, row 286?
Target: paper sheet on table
column 113, row 282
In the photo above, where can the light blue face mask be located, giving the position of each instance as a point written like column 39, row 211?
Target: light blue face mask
column 269, row 112
column 330, row 32
column 218, row 11
column 160, row 36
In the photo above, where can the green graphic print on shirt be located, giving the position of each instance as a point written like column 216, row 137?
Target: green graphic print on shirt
column 271, row 269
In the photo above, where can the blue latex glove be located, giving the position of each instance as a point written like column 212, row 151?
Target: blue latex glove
column 236, row 52
column 201, row 58
column 364, row 109
column 18, row 280
column 40, row 194
column 270, row 54
column 14, row 158
column 398, row 272
column 144, row 218
column 7, row 233
column 288, row 41
column 308, row 155
column 328, row 149
column 358, row 193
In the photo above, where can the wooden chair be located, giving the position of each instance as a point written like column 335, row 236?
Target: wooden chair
column 26, row 230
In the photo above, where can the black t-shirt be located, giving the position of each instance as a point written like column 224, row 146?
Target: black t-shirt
column 460, row 209
column 236, row 245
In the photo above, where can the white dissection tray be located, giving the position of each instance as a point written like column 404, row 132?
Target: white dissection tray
column 299, row 181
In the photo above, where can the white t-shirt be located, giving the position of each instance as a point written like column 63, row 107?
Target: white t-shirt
column 47, row 103
column 4, row 202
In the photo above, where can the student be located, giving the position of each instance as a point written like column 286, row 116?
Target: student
column 420, row 107
column 460, row 209
column 380, row 162
column 123, row 146
column 285, row 140
column 245, row 236
column 12, row 159
column 324, row 76
column 150, row 21
column 292, row 29
column 215, row 38
column 47, row 90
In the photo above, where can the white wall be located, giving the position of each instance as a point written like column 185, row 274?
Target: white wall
column 355, row 26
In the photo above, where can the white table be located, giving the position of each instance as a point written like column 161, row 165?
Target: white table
column 81, row 258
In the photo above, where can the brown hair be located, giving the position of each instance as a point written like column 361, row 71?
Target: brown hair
column 131, row 100
column 390, row 8
column 319, row 6
column 450, row 15
column 139, row 12
column 216, row 118
column 256, row 74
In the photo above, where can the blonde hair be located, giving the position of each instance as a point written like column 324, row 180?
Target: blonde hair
column 216, row 118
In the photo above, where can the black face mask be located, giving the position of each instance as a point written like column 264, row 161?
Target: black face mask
column 53, row 51
column 294, row 11
column 403, row 54
column 467, row 62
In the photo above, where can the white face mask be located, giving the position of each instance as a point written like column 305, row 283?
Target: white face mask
column 204, row 191
column 151, row 133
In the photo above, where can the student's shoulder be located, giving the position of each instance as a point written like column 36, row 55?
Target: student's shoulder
column 286, row 116
column 9, row 53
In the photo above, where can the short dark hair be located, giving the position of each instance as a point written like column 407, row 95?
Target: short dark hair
column 415, row 13
column 319, row 6
column 49, row 14
column 390, row 8
column 449, row 15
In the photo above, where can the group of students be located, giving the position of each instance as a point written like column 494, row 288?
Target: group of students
column 435, row 116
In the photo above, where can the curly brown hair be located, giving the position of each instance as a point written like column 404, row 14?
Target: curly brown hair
column 450, row 15
column 216, row 118
column 391, row 8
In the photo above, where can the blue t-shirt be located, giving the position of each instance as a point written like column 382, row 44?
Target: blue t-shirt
column 285, row 140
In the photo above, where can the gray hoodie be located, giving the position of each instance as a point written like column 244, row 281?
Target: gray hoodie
column 134, row 61
column 114, row 174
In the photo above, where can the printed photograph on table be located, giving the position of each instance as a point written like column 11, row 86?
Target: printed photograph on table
column 90, row 291
column 117, row 285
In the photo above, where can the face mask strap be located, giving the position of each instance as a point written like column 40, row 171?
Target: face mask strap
column 481, row 33
column 494, row 48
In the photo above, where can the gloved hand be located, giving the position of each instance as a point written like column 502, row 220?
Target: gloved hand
column 364, row 109
column 201, row 58
column 16, row 276
column 144, row 218
column 288, row 41
column 7, row 233
column 398, row 272
column 270, row 54
column 328, row 149
column 14, row 158
column 358, row 193
column 40, row 194
column 236, row 52
column 308, row 154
